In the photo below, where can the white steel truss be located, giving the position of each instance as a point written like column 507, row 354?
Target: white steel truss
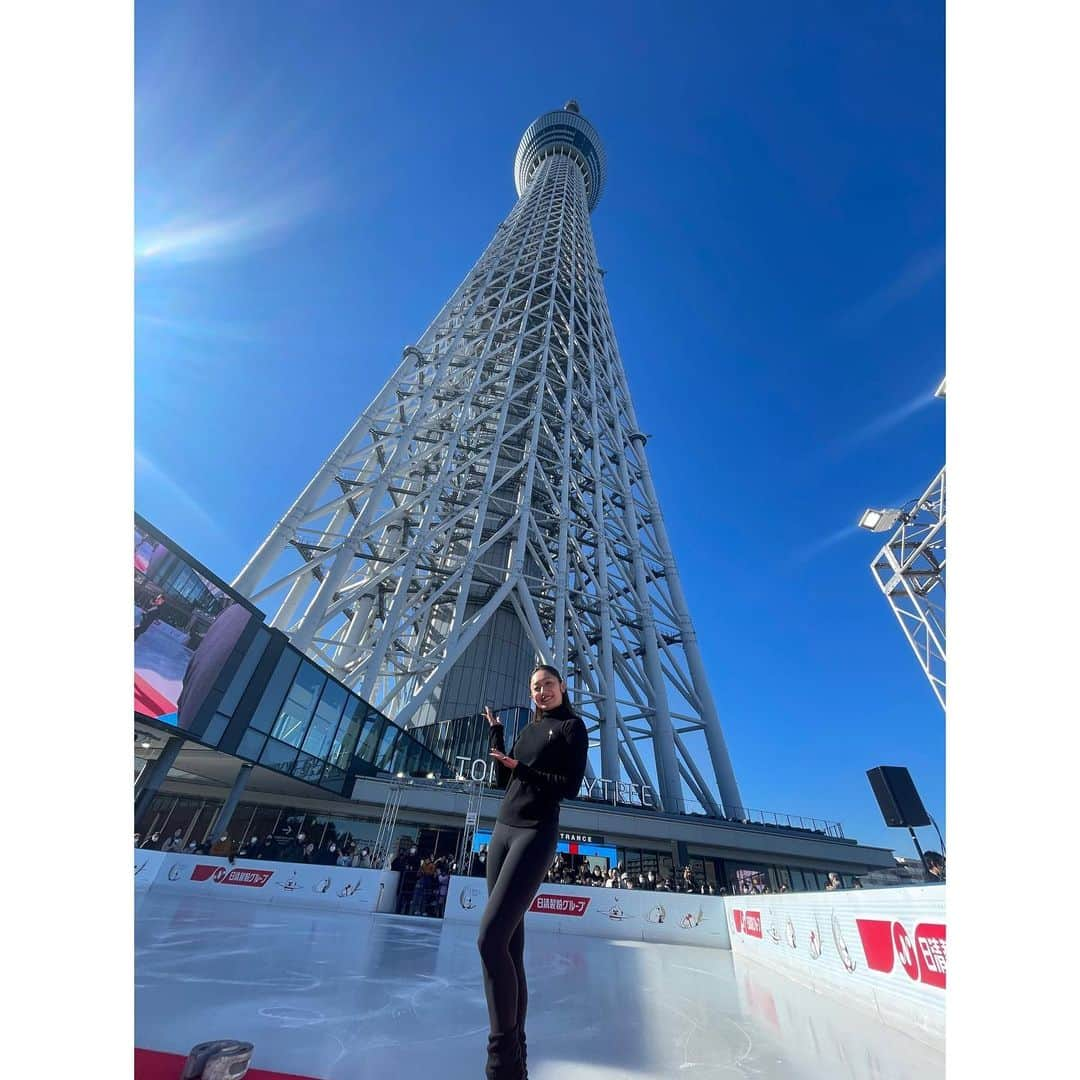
column 498, row 485
column 910, row 571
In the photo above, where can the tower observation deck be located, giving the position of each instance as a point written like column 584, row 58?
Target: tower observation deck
column 493, row 508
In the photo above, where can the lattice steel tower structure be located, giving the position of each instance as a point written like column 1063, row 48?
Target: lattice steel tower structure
column 493, row 506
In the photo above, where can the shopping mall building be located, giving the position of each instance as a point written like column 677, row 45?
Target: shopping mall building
column 238, row 732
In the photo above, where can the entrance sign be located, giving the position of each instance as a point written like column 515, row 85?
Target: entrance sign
column 616, row 792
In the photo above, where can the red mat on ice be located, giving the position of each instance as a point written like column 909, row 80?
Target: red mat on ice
column 154, row 1065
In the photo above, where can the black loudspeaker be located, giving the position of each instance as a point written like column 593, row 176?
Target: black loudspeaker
column 895, row 792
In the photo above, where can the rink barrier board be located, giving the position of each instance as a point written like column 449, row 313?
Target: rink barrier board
column 619, row 914
column 882, row 949
column 263, row 882
column 147, row 865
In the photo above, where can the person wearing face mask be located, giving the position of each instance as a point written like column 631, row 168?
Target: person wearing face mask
column 479, row 868
column 442, row 885
column 175, row 842
column 410, row 865
column 362, row 859
column 222, row 846
column 546, row 765
column 345, row 857
column 422, row 894
column 295, row 848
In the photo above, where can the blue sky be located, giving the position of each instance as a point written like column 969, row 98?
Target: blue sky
column 312, row 181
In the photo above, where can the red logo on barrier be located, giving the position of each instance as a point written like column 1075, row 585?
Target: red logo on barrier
column 255, row 878
column 905, row 950
column 930, row 946
column 550, row 904
column 885, row 941
column 203, row 872
column 748, row 922
column 876, row 935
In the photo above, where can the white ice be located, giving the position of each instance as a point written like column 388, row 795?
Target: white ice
column 336, row 996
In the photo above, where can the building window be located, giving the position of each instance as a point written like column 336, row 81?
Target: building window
column 277, row 755
column 323, row 725
column 280, row 681
column 296, row 712
column 251, row 745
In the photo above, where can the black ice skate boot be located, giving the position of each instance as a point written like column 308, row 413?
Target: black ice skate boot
column 504, row 1057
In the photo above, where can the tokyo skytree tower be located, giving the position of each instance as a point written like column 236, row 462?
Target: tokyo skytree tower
column 493, row 507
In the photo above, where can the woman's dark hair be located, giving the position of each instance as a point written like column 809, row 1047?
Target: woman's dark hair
column 549, row 669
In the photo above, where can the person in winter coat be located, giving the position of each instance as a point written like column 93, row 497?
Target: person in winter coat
column 443, row 885
column 424, row 889
column 410, row 866
column 175, row 842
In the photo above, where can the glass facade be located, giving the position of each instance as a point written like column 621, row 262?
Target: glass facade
column 289, row 715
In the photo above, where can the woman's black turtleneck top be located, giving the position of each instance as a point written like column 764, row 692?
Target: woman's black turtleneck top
column 552, row 751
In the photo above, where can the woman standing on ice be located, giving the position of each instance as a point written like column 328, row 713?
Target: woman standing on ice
column 547, row 764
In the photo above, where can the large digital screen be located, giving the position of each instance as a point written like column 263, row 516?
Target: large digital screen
column 187, row 625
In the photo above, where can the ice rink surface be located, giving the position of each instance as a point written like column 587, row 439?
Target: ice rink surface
column 345, row 997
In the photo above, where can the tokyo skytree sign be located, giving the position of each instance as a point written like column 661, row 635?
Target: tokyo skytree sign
column 493, row 507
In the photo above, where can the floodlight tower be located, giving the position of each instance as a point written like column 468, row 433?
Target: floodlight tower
column 910, row 571
column 493, row 506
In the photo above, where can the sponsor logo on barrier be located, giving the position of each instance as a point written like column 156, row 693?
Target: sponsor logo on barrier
column 468, row 897
column 885, row 941
column 905, row 950
column 322, row 886
column 774, row 934
column 877, row 943
column 841, row 946
column 289, row 885
column 747, row 922
column 691, row 919
column 657, row 915
column 614, row 911
column 350, row 890
column 815, row 939
column 224, row 876
column 174, row 872
column 930, row 944
column 256, row 879
column 791, row 934
column 550, row 904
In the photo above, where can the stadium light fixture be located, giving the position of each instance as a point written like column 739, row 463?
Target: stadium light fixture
column 879, row 520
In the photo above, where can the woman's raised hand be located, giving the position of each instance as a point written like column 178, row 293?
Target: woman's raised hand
column 492, row 719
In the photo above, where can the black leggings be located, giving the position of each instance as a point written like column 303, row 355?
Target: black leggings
column 518, row 859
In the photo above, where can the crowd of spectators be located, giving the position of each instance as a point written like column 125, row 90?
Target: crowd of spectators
column 563, row 872
column 287, row 847
column 425, row 880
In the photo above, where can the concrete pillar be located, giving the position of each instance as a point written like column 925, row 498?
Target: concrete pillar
column 153, row 776
column 221, row 822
